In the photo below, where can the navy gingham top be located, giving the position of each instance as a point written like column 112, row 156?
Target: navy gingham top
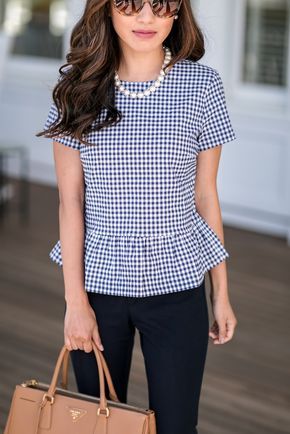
column 143, row 234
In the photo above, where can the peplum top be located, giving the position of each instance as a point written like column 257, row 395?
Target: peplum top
column 143, row 234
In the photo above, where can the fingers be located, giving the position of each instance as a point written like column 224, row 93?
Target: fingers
column 84, row 344
column 214, row 331
column 88, row 347
column 96, row 338
column 223, row 332
column 68, row 343
column 73, row 344
column 230, row 330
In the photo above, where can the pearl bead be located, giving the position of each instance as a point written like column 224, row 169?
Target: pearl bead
column 152, row 87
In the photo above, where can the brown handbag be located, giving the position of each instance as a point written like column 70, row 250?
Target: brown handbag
column 40, row 408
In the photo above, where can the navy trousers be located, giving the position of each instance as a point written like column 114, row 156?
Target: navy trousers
column 173, row 332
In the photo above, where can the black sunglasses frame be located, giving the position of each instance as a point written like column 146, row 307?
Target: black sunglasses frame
column 155, row 12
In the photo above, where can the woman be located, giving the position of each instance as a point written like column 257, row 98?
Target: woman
column 143, row 123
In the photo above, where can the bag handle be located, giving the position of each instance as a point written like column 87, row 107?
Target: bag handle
column 49, row 396
column 64, row 382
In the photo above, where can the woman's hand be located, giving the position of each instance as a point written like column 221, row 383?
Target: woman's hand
column 80, row 328
column 225, row 321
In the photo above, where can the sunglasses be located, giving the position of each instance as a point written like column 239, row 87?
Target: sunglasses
column 160, row 8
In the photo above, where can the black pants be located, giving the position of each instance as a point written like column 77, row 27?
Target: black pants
column 174, row 338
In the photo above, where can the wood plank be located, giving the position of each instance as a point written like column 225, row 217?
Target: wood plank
column 246, row 381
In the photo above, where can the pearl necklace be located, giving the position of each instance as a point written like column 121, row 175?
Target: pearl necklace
column 152, row 87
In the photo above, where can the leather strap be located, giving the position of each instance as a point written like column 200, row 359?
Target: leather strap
column 44, row 412
column 64, row 382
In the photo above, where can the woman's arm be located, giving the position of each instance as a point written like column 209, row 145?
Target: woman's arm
column 71, row 220
column 80, row 321
column 207, row 205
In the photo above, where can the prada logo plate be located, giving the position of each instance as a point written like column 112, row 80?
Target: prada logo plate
column 76, row 413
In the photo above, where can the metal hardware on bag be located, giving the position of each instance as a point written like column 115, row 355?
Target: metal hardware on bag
column 65, row 392
column 31, row 382
column 103, row 409
column 48, row 398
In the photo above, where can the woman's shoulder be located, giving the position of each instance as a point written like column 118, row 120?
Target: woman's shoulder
column 202, row 72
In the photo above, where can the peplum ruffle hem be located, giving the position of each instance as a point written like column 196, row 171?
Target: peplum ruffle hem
column 118, row 265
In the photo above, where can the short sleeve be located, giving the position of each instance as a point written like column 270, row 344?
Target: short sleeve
column 66, row 140
column 216, row 126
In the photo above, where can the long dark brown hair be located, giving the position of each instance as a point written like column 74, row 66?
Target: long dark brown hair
column 86, row 82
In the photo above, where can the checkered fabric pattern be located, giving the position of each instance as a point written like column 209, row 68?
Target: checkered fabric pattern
column 143, row 234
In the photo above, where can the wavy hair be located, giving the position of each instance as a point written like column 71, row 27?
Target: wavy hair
column 86, row 81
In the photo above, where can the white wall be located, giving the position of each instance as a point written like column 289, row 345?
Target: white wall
column 254, row 176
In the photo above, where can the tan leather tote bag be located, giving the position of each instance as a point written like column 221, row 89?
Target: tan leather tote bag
column 40, row 408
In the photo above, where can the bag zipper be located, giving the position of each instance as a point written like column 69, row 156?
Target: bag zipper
column 43, row 386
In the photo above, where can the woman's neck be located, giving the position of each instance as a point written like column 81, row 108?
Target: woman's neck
column 141, row 66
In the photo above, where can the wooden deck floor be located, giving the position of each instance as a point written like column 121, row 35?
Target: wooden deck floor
column 246, row 387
